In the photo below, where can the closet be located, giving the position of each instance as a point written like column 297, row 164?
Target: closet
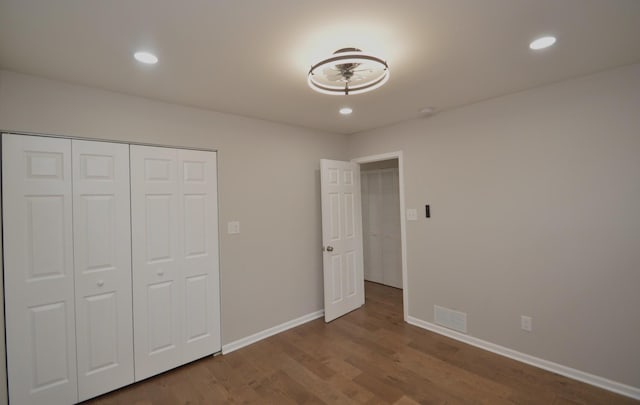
column 175, row 246
column 381, row 223
column 103, row 266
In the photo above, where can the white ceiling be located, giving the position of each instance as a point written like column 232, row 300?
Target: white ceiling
column 250, row 57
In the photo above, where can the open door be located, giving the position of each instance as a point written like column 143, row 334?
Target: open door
column 341, row 238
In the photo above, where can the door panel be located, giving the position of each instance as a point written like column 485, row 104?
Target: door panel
column 350, row 274
column 49, row 345
column 197, row 308
column 45, row 236
column 342, row 238
column 194, row 227
column 99, row 217
column 160, row 213
column 334, row 217
column 161, row 330
column 336, row 279
column 102, row 250
column 38, row 269
column 156, row 239
column 176, row 278
column 199, row 209
column 102, row 332
column 349, row 220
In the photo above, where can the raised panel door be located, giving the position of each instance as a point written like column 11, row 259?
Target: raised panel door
column 342, row 237
column 372, row 222
column 102, row 242
column 390, row 215
column 38, row 270
column 199, row 219
column 158, row 271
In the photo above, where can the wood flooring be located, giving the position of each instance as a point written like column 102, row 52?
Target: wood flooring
column 369, row 356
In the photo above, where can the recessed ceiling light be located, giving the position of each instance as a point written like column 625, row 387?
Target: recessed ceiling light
column 542, row 42
column 146, row 57
column 346, row 110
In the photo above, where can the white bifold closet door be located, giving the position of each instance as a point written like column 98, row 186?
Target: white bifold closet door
column 175, row 257
column 381, row 226
column 38, row 270
column 67, row 268
column 102, row 256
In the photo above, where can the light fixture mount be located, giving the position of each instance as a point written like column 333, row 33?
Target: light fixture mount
column 348, row 71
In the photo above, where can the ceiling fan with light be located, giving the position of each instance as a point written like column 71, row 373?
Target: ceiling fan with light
column 348, row 71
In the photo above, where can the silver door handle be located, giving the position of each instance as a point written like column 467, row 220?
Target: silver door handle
column 329, row 248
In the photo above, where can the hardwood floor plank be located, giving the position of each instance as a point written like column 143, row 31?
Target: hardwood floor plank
column 369, row 356
column 383, row 390
column 309, row 362
column 406, row 401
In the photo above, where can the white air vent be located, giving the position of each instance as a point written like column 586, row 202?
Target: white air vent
column 449, row 318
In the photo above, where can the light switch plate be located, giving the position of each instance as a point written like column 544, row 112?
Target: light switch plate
column 233, row 227
column 412, row 214
column 526, row 323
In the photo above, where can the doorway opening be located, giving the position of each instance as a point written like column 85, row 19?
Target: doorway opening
column 383, row 227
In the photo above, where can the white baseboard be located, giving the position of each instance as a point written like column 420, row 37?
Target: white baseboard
column 601, row 382
column 246, row 341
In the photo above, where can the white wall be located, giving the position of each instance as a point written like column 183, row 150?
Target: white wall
column 535, row 205
column 268, row 180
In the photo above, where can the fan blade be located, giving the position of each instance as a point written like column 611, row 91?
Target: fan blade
column 357, row 77
column 334, row 77
column 330, row 70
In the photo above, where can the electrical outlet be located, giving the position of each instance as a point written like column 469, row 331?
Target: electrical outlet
column 526, row 323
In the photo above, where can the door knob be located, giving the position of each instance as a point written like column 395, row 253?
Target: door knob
column 329, row 248
column 160, row 272
column 100, row 283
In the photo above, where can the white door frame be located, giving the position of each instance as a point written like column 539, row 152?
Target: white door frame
column 403, row 231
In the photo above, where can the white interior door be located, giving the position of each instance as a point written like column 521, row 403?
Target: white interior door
column 372, row 223
column 38, row 270
column 366, row 246
column 156, row 239
column 341, row 238
column 176, row 292
column 199, row 253
column 102, row 252
column 391, row 241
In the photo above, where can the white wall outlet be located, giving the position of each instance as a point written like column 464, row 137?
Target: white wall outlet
column 233, row 227
column 412, row 214
column 526, row 323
